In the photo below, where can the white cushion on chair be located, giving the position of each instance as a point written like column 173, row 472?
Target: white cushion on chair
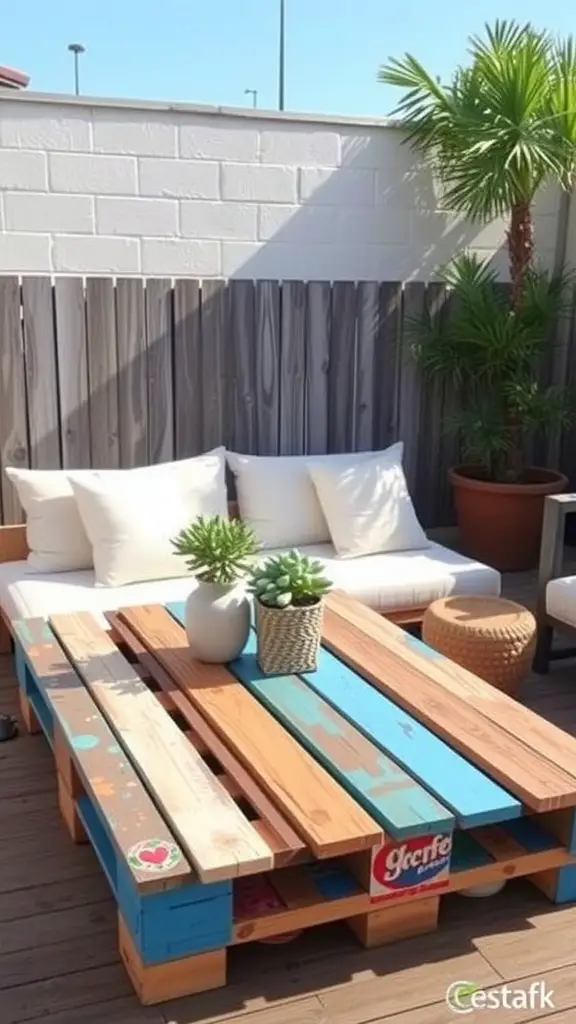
column 561, row 599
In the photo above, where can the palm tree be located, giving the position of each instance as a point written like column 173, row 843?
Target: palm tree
column 503, row 127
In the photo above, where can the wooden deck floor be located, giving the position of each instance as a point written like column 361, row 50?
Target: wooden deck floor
column 58, row 959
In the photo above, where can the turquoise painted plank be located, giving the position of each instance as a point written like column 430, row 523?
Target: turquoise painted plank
column 530, row 835
column 386, row 792
column 474, row 798
column 468, row 792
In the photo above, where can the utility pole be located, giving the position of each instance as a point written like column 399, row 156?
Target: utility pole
column 254, row 94
column 281, row 58
column 76, row 49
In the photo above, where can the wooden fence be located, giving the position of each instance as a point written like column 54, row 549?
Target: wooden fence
column 118, row 373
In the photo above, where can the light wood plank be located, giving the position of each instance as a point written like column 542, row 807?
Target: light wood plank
column 188, row 396
column 318, row 326
column 106, row 775
column 212, row 830
column 319, row 809
column 342, row 371
column 72, row 372
column 41, row 389
column 241, row 361
column 292, row 368
column 544, row 740
column 214, row 348
column 267, row 370
column 102, row 372
column 14, row 449
column 352, row 631
column 132, row 373
column 159, row 330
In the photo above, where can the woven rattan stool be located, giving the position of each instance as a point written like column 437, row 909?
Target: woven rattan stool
column 489, row 636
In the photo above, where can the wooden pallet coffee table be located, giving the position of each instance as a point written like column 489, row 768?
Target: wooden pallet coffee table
column 227, row 807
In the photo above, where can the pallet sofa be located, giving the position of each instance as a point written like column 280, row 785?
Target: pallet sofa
column 556, row 606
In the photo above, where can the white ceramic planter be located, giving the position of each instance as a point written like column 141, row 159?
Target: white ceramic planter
column 217, row 621
column 478, row 891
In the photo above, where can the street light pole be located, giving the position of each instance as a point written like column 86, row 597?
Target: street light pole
column 281, row 58
column 254, row 94
column 76, row 49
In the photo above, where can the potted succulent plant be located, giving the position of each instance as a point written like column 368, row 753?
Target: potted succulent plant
column 218, row 552
column 499, row 131
column 289, row 592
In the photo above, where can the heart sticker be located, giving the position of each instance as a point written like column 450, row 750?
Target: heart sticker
column 154, row 855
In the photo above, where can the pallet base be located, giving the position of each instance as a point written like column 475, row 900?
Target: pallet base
column 157, row 983
column 28, row 715
column 391, row 924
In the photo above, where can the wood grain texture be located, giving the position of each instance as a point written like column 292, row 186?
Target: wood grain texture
column 355, row 636
column 188, row 397
column 102, row 372
column 281, row 837
column 72, row 372
column 132, row 373
column 41, row 386
column 368, row 384
column 342, row 371
column 14, row 449
column 292, row 440
column 241, row 363
column 410, row 385
column 543, row 739
column 212, row 830
column 106, row 774
column 159, row 331
column 267, row 368
column 318, row 328
column 315, row 805
column 214, row 357
column 391, row 796
column 13, row 543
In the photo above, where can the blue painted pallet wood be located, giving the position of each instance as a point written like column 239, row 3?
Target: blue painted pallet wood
column 474, row 798
column 389, row 795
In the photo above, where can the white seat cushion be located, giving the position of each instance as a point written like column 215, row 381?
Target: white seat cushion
column 561, row 599
column 410, row 579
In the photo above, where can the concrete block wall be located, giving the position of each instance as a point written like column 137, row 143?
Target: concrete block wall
column 112, row 187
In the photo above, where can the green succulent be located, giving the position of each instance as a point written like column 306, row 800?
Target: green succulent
column 217, row 550
column 288, row 579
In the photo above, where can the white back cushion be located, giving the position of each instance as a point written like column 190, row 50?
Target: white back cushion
column 367, row 506
column 131, row 516
column 56, row 536
column 277, row 498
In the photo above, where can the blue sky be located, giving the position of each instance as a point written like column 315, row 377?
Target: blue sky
column 209, row 51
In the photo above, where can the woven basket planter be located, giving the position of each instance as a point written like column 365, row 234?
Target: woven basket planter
column 288, row 638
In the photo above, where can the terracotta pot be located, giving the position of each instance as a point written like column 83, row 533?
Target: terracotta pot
column 501, row 524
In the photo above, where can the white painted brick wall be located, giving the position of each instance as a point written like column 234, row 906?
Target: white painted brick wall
column 112, row 187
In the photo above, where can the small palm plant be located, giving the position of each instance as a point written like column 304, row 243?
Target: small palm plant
column 289, row 591
column 217, row 550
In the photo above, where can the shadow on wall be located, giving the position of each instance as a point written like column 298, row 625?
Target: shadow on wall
column 359, row 223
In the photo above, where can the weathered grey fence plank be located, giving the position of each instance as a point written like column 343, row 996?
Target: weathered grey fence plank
column 132, row 373
column 367, row 333
column 159, row 331
column 241, row 358
column 342, row 370
column 14, row 450
column 40, row 357
column 102, row 372
column 214, row 344
column 267, row 357
column 292, row 439
column 430, row 472
column 72, row 372
column 410, row 389
column 318, row 326
column 188, row 397
column 386, row 359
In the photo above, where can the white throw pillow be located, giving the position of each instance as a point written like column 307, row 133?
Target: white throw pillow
column 277, row 498
column 368, row 507
column 56, row 536
column 131, row 516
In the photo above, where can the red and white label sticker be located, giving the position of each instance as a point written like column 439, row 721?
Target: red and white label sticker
column 409, row 867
